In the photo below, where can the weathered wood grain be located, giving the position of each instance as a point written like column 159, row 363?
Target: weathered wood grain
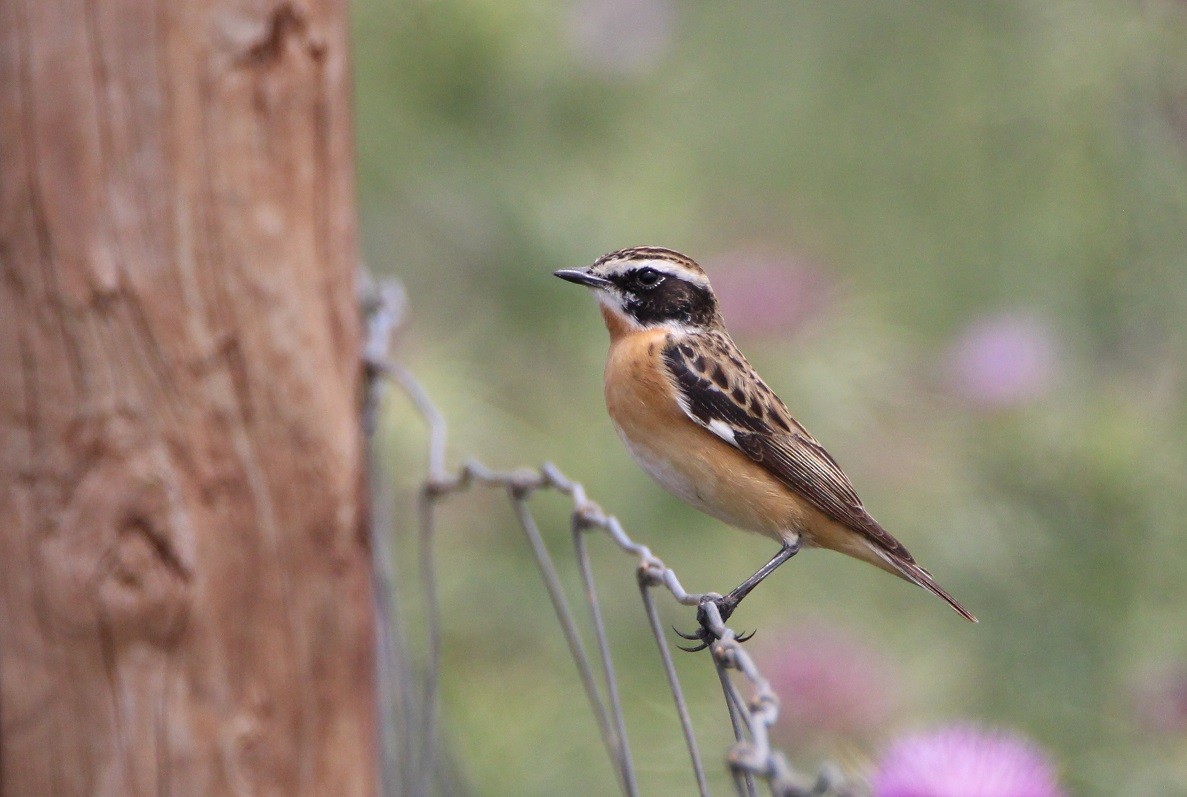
column 185, row 599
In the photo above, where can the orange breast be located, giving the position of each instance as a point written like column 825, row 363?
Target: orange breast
column 688, row 460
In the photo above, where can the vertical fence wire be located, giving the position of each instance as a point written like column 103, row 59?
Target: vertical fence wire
column 750, row 759
column 665, row 655
column 630, row 785
column 564, row 615
column 383, row 309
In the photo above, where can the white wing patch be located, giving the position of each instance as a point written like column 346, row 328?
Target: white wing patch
column 722, row 430
column 716, row 426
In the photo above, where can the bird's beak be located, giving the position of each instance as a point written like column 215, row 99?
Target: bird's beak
column 582, row 277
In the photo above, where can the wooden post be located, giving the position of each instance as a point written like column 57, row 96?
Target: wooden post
column 185, row 598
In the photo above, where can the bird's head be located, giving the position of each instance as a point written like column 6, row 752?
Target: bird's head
column 648, row 287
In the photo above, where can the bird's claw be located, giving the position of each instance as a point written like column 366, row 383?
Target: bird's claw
column 701, row 636
column 705, row 635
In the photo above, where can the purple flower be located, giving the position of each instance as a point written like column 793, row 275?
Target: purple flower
column 1003, row 361
column 763, row 293
column 1161, row 702
column 829, row 685
column 621, row 37
column 964, row 761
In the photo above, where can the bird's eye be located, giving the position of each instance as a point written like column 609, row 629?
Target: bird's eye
column 648, row 277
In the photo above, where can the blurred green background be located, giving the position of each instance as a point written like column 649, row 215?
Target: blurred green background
column 951, row 235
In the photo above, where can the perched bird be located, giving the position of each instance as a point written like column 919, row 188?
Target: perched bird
column 694, row 414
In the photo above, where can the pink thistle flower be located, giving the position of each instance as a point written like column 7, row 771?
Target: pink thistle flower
column 1002, row 361
column 1161, row 702
column 622, row 37
column 766, row 294
column 829, row 685
column 963, row 761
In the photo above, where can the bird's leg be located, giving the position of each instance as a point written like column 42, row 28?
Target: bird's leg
column 726, row 604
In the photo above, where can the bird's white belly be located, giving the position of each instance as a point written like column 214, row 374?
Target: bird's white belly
column 668, row 473
column 762, row 506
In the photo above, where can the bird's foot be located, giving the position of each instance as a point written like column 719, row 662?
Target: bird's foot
column 704, row 636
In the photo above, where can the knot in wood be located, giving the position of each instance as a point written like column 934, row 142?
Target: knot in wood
column 116, row 556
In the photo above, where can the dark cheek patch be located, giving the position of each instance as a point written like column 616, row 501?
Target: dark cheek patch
column 673, row 300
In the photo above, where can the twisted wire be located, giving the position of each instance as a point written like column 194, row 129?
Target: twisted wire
column 750, row 759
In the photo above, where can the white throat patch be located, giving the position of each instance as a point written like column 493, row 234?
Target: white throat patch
column 613, row 303
column 610, row 299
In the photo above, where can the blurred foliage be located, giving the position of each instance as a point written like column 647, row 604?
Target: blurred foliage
column 936, row 166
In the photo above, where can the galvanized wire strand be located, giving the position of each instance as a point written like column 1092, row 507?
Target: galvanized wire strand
column 426, row 763
column 630, row 785
column 750, row 757
column 743, row 781
column 665, row 654
column 394, row 683
column 383, row 310
column 564, row 615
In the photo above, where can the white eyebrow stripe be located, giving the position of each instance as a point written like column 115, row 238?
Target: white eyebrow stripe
column 665, row 267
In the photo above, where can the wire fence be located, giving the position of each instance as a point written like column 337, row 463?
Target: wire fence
column 416, row 765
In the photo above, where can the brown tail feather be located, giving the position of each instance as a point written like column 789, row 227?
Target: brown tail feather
column 917, row 575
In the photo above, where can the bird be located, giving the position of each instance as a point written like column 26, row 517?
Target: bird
column 695, row 415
